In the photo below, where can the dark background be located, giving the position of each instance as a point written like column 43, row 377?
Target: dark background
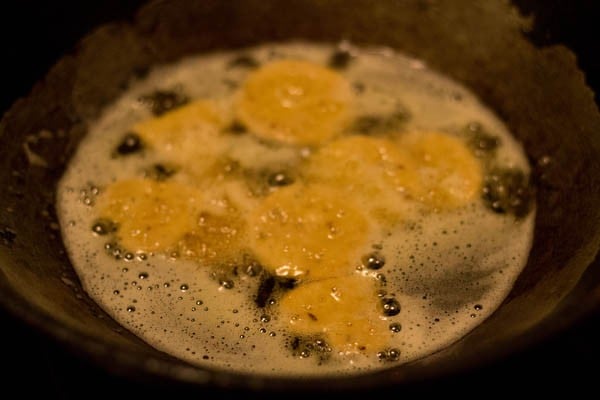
column 34, row 34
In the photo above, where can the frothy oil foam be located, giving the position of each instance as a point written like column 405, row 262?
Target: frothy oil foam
column 437, row 271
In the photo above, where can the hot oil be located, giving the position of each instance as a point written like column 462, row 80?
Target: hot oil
column 439, row 273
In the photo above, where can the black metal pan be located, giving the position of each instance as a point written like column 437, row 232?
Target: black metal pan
column 525, row 62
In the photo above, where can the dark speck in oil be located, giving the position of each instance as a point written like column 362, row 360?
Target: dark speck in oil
column 265, row 289
column 161, row 172
column 162, row 101
column 280, row 179
column 340, row 59
column 508, row 191
column 380, row 124
column 480, row 141
column 130, row 144
column 236, row 128
column 103, row 226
